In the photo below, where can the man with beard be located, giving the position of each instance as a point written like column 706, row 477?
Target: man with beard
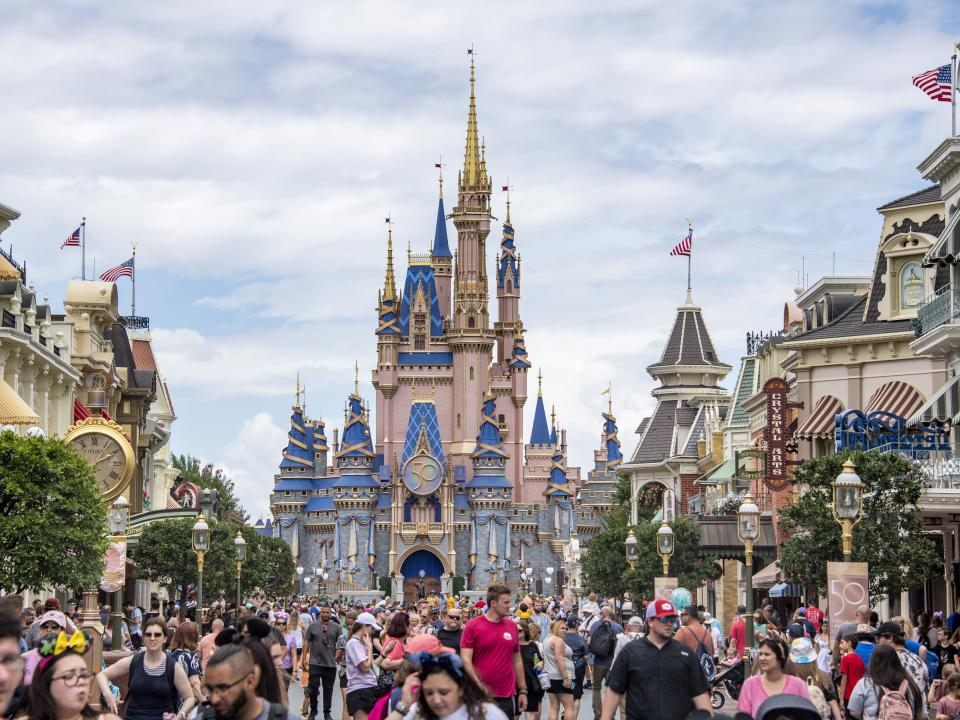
column 230, row 688
column 660, row 676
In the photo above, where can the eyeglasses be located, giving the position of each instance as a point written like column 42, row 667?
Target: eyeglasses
column 208, row 690
column 50, row 626
column 72, row 679
column 153, row 635
column 453, row 617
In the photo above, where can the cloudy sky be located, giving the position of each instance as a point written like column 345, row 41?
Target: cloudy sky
column 252, row 151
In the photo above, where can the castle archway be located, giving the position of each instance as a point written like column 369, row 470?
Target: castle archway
column 415, row 561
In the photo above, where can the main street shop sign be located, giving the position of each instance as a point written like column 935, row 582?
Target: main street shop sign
column 884, row 431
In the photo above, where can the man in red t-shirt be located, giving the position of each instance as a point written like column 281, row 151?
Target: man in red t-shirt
column 814, row 614
column 490, row 649
column 738, row 631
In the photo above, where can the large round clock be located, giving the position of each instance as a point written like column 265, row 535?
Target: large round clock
column 101, row 443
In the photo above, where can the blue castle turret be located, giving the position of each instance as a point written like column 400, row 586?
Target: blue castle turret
column 558, row 485
column 441, row 248
column 611, row 441
column 540, row 434
column 355, row 459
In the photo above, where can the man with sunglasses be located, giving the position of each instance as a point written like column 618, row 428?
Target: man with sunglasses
column 449, row 635
column 230, row 687
column 320, row 661
column 659, row 675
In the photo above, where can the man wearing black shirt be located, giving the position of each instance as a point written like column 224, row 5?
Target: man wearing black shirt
column 660, row 676
column 449, row 635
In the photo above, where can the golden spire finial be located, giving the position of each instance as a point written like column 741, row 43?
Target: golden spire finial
column 389, row 283
column 553, row 416
column 299, row 390
column 483, row 160
column 356, row 378
column 471, row 155
column 540, row 382
column 439, row 167
column 506, row 189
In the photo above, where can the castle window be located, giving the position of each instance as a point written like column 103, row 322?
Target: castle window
column 501, row 419
column 509, row 286
column 458, row 421
column 471, row 322
column 471, row 373
column 419, row 342
column 911, row 286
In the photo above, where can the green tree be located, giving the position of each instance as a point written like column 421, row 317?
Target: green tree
column 889, row 537
column 164, row 554
column 52, row 519
column 206, row 476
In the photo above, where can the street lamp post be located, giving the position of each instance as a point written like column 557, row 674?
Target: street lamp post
column 848, row 505
column 117, row 518
column 299, row 580
column 748, row 530
column 200, row 535
column 241, row 546
column 631, row 549
column 665, row 545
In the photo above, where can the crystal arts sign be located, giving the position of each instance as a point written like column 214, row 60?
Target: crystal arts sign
column 776, row 433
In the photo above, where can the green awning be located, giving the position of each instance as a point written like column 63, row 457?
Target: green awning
column 722, row 473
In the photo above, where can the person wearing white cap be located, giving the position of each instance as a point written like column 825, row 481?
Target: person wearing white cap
column 361, row 681
column 714, row 626
column 631, row 632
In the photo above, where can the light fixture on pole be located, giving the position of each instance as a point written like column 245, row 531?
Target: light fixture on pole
column 748, row 530
column 848, row 505
column 200, row 536
column 241, row 546
column 299, row 579
column 117, row 518
column 630, row 544
column 665, row 545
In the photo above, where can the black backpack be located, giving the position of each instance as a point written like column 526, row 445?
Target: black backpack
column 705, row 658
column 603, row 641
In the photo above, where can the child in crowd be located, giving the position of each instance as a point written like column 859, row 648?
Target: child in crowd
column 851, row 667
column 949, row 705
column 938, row 687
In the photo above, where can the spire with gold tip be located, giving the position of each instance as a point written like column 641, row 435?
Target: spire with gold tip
column 441, row 246
column 540, row 434
column 389, row 303
column 489, row 456
column 357, row 445
column 610, row 440
column 474, row 173
column 509, row 265
column 297, row 452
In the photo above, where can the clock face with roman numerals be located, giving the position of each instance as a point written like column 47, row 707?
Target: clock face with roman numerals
column 103, row 445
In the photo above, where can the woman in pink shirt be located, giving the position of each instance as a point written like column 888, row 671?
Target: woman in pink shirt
column 772, row 680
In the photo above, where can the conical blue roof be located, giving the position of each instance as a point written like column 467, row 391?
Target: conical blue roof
column 540, row 435
column 520, row 359
column 356, row 433
column 508, row 258
column 440, row 246
column 298, row 452
column 612, row 443
column 553, row 435
column 489, row 444
column 557, row 485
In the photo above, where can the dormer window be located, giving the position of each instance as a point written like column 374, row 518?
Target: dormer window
column 911, row 286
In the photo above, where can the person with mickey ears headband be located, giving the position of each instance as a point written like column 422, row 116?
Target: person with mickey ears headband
column 661, row 677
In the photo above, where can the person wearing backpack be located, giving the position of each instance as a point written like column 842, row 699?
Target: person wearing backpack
column 698, row 638
column 602, row 643
column 886, row 692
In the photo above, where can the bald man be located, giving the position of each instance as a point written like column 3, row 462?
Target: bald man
column 230, row 685
column 208, row 643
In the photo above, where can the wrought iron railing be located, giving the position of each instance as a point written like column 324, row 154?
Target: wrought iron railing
column 938, row 309
column 136, row 322
column 942, row 472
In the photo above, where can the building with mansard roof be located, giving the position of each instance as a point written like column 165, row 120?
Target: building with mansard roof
column 435, row 476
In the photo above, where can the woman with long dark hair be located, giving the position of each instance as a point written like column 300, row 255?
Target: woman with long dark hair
column 885, row 673
column 441, row 690
column 183, row 649
column 61, row 688
column 774, row 678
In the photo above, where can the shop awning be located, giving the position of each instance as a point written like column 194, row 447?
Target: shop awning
column 897, row 398
column 943, row 407
column 768, row 577
column 785, row 589
column 822, row 421
column 722, row 473
column 13, row 409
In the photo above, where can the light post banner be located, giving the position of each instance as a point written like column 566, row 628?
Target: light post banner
column 115, row 568
column 663, row 588
column 847, row 590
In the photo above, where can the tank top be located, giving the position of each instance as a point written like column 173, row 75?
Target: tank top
column 149, row 693
column 550, row 658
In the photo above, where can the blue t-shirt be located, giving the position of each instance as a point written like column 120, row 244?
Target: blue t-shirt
column 864, row 650
column 953, row 621
column 578, row 645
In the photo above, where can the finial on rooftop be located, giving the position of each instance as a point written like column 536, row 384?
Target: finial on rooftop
column 299, row 390
column 439, row 167
column 356, row 378
column 506, row 189
column 553, row 416
column 798, row 288
column 389, row 283
column 470, row 175
column 540, row 382
column 609, row 393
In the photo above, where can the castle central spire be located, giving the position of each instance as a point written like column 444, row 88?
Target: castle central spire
column 472, row 165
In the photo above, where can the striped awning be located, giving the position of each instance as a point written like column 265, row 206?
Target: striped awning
column 14, row 409
column 897, row 398
column 943, row 407
column 821, row 422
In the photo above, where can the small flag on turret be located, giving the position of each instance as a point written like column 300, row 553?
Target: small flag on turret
column 506, row 188
column 685, row 246
column 73, row 239
column 936, row 83
column 438, row 165
column 124, row 269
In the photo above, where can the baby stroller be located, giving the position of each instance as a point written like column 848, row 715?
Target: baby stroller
column 731, row 679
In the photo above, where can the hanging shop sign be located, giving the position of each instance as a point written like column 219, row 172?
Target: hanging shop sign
column 884, row 431
column 777, row 475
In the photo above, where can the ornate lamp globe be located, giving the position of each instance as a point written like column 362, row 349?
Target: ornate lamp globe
column 241, row 546
column 630, row 544
column 748, row 519
column 665, row 539
column 847, row 493
column 200, row 535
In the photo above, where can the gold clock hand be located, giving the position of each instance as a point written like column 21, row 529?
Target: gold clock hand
column 105, row 457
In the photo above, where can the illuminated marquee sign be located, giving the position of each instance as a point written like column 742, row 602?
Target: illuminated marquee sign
column 881, row 430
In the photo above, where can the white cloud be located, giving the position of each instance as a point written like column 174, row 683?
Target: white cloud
column 250, row 459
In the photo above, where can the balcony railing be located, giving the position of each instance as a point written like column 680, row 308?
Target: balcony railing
column 136, row 322
column 938, row 309
column 942, row 472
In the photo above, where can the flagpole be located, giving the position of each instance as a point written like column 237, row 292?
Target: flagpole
column 133, row 280
column 689, row 254
column 953, row 92
column 83, row 248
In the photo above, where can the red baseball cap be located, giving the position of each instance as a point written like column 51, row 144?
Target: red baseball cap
column 661, row 608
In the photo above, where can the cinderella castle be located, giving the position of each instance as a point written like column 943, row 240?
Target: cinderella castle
column 440, row 483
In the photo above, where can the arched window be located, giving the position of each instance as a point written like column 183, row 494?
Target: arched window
column 471, row 373
column 911, row 286
column 509, row 286
column 471, row 322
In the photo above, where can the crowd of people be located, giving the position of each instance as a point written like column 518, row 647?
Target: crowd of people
column 498, row 658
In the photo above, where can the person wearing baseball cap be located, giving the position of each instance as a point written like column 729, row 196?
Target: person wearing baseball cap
column 658, row 672
column 358, row 658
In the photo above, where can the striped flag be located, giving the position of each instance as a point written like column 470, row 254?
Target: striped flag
column 936, row 83
column 124, row 269
column 685, row 246
column 73, row 239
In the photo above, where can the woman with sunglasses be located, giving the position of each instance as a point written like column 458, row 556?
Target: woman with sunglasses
column 441, row 690
column 61, row 690
column 152, row 679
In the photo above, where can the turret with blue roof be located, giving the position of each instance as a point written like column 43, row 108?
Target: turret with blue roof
column 489, row 455
column 558, row 486
column 540, row 435
column 610, row 440
column 389, row 304
column 355, row 459
column 441, row 248
column 298, row 452
column 509, row 265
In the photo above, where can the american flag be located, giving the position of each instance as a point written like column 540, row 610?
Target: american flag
column 685, row 246
column 124, row 269
column 73, row 239
column 936, row 83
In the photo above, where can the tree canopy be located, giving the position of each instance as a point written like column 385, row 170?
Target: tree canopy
column 52, row 519
column 889, row 537
column 206, row 476
column 163, row 554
